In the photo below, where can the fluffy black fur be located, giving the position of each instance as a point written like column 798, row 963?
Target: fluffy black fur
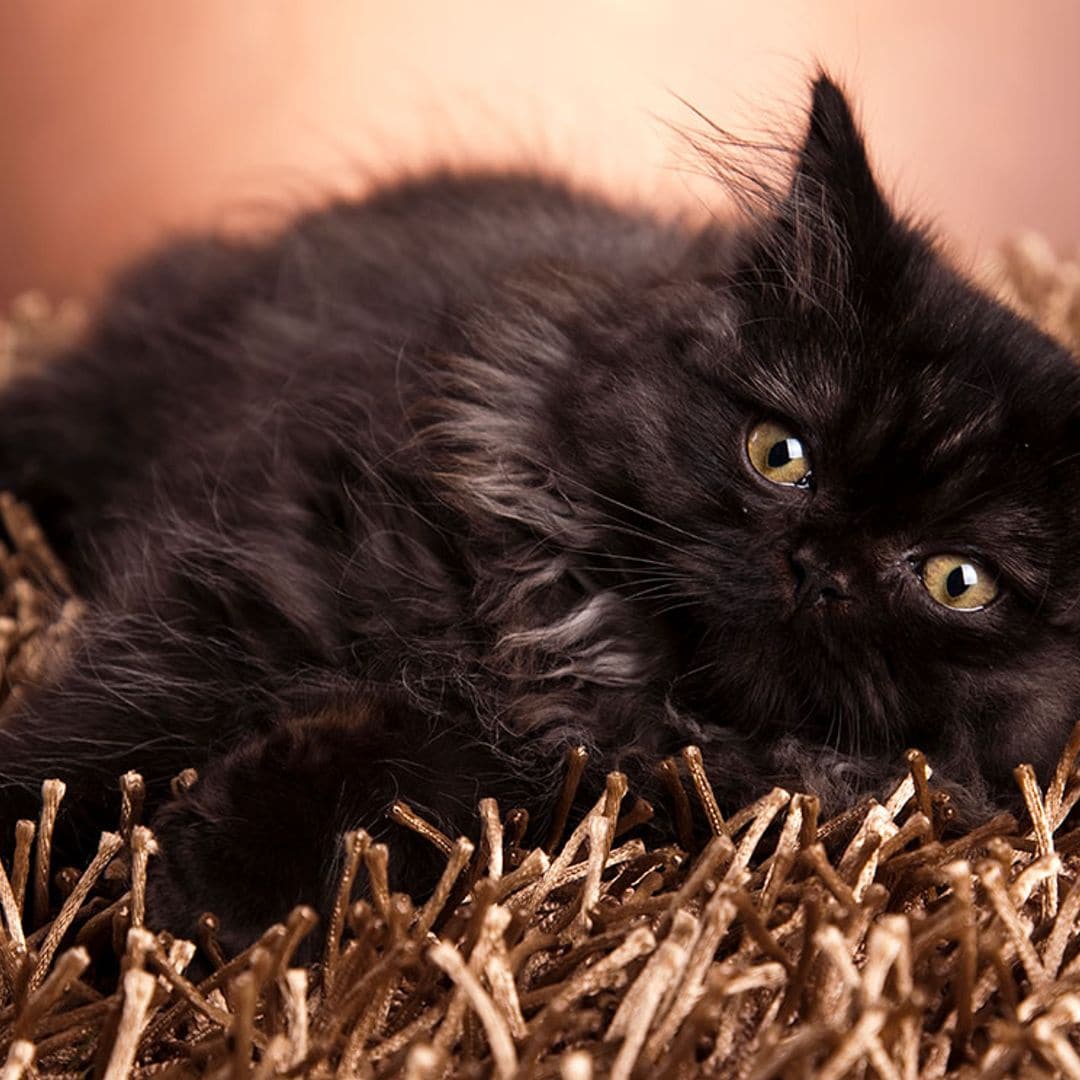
column 435, row 484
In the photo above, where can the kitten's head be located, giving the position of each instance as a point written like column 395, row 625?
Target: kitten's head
column 842, row 482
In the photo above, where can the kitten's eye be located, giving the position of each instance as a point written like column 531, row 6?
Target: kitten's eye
column 958, row 582
column 778, row 454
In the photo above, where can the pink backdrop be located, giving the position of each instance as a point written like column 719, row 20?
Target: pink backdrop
column 125, row 119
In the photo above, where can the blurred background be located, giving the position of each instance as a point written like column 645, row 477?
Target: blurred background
column 123, row 121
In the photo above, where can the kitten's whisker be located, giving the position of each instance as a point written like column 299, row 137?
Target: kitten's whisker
column 654, row 582
column 1064, row 460
column 698, row 670
column 621, row 525
column 607, row 568
column 638, row 534
column 637, row 511
column 676, row 607
column 665, row 591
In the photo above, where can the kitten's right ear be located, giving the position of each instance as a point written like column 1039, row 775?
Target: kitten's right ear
column 832, row 232
column 832, row 174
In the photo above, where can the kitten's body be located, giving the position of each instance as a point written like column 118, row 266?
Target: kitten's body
column 440, row 483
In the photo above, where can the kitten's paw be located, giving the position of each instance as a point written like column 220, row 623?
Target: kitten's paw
column 217, row 856
column 261, row 830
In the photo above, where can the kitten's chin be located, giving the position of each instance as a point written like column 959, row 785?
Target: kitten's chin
column 806, row 676
column 822, row 636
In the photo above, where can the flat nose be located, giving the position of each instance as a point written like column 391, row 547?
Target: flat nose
column 817, row 581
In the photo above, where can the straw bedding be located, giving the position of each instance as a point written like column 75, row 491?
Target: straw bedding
column 872, row 944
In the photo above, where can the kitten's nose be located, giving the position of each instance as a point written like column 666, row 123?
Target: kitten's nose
column 816, row 580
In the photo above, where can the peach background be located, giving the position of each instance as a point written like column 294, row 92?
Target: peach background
column 125, row 119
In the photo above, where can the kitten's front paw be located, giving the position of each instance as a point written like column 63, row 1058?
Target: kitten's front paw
column 256, row 835
column 261, row 830
column 217, row 856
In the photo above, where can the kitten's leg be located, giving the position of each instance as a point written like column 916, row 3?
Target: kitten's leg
column 193, row 646
column 262, row 829
column 135, row 693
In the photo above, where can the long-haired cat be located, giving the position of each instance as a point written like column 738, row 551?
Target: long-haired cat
column 433, row 485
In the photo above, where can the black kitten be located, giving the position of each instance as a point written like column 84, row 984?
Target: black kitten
column 436, row 484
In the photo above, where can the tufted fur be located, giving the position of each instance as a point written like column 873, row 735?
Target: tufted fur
column 411, row 497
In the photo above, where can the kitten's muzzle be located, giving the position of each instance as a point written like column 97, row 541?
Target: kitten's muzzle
column 817, row 583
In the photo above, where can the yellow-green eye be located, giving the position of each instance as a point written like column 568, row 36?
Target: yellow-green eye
column 778, row 454
column 958, row 582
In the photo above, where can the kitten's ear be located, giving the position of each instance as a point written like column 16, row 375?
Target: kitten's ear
column 833, row 172
column 832, row 232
